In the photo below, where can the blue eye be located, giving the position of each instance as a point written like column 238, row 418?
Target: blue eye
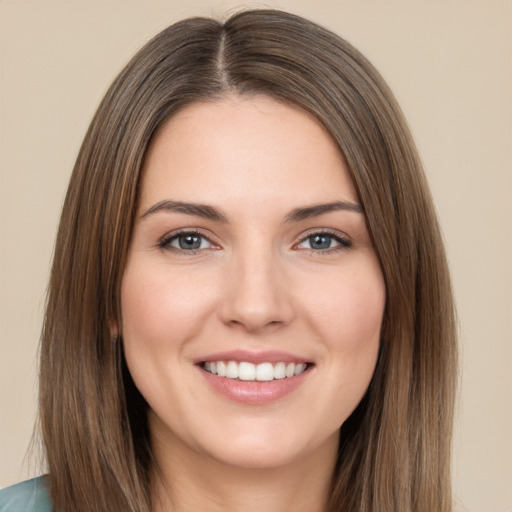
column 185, row 241
column 324, row 242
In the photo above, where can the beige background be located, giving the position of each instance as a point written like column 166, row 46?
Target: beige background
column 450, row 65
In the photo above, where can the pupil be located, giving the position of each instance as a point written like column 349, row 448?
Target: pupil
column 321, row 242
column 190, row 242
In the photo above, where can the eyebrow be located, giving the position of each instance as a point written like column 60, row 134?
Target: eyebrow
column 209, row 212
column 200, row 210
column 319, row 209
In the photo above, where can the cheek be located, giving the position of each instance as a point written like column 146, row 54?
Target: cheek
column 160, row 306
column 348, row 309
column 346, row 314
column 162, row 310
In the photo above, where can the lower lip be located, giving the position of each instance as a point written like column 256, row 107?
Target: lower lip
column 254, row 392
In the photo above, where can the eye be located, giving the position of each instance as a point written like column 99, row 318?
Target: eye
column 186, row 241
column 324, row 241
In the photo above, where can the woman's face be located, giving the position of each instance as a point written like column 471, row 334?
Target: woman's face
column 250, row 262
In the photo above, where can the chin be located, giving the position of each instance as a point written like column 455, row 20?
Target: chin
column 270, row 448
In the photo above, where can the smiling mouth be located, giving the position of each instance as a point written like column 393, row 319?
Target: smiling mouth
column 245, row 371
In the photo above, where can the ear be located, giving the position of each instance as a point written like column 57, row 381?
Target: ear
column 114, row 329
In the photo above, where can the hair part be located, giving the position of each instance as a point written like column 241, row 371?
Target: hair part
column 394, row 450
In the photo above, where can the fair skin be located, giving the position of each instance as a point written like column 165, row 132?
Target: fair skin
column 256, row 276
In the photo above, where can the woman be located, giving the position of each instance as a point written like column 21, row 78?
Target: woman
column 249, row 305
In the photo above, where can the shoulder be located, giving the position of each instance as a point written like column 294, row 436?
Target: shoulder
column 29, row 496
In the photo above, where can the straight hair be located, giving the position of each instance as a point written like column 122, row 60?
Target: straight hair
column 394, row 451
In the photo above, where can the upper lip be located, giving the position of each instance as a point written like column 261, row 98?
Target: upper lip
column 266, row 356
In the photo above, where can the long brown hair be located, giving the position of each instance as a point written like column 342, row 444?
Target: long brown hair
column 394, row 452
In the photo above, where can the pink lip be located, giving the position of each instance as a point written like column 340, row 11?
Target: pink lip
column 249, row 392
column 253, row 393
column 268, row 356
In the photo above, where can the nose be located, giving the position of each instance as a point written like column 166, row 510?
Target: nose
column 257, row 293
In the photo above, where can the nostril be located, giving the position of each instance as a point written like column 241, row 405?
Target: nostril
column 256, row 298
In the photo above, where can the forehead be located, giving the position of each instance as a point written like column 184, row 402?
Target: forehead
column 244, row 147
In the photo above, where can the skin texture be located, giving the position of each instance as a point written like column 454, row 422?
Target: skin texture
column 256, row 283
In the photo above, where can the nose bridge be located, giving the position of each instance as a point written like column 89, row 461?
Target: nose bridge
column 256, row 296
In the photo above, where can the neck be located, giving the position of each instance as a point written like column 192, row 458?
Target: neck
column 187, row 481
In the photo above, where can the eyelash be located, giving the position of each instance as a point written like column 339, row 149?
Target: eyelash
column 165, row 242
column 343, row 242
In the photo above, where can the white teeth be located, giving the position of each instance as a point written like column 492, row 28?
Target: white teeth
column 232, row 370
column 262, row 372
column 246, row 371
column 265, row 372
column 279, row 371
column 299, row 368
column 221, row 368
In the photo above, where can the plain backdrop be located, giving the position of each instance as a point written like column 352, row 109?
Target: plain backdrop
column 450, row 65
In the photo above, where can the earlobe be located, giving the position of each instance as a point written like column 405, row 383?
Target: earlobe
column 115, row 331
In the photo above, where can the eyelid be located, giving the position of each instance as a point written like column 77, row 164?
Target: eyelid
column 164, row 242
column 343, row 240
